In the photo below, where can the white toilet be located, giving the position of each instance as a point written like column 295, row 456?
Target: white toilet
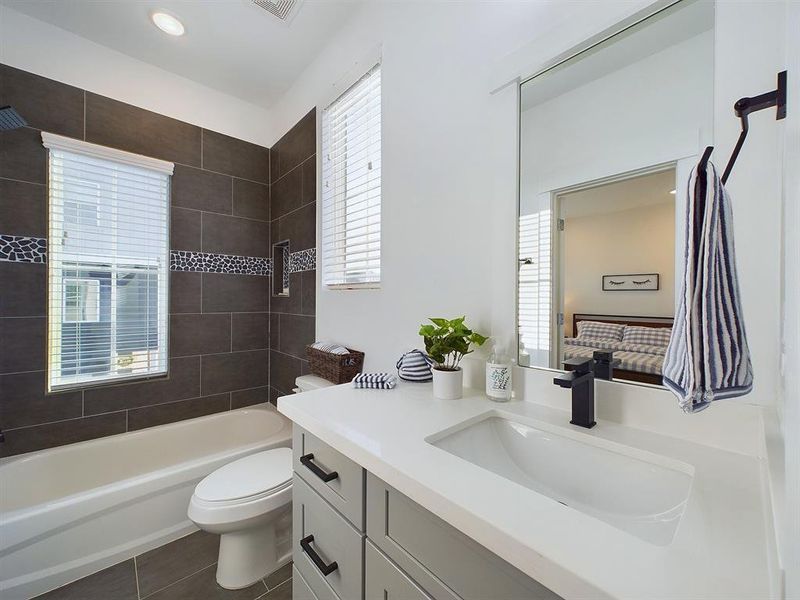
column 249, row 503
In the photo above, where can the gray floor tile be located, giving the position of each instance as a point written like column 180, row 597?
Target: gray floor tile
column 273, row 580
column 282, row 592
column 203, row 586
column 165, row 565
column 114, row 583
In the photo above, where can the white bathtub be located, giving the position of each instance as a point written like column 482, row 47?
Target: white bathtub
column 70, row 511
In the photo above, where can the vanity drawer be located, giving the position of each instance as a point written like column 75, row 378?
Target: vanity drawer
column 439, row 557
column 384, row 580
column 300, row 589
column 324, row 542
column 334, row 476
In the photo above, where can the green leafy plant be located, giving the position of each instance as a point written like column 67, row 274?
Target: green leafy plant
column 448, row 341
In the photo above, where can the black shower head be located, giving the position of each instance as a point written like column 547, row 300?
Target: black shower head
column 10, row 119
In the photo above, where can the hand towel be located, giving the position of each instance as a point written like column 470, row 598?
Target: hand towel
column 415, row 365
column 708, row 358
column 374, row 381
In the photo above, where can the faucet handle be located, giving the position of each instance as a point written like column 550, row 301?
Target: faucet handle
column 581, row 366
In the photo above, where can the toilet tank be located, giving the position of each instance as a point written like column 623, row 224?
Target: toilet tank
column 306, row 383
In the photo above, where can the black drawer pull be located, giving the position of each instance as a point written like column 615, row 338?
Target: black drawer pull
column 326, row 570
column 307, row 459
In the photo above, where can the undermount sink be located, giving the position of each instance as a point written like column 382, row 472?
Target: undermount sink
column 638, row 492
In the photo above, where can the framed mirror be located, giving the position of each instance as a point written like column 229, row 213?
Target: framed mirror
column 607, row 139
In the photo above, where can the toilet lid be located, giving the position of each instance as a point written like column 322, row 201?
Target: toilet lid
column 252, row 475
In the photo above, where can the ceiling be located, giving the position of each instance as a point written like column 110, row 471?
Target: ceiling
column 230, row 45
column 637, row 192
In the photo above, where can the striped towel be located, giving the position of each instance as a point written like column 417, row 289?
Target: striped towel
column 708, row 357
column 415, row 365
column 375, row 381
column 330, row 348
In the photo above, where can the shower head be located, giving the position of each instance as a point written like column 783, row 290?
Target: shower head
column 10, row 119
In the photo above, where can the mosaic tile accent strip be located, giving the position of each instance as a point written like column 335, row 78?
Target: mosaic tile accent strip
column 303, row 260
column 19, row 248
column 205, row 262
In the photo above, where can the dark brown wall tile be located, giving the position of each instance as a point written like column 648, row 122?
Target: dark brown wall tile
column 250, row 199
column 184, row 292
column 292, row 302
column 287, row 193
column 117, row 583
column 183, row 382
column 274, row 330
column 274, row 395
column 120, row 125
column 296, row 333
column 283, row 370
column 225, row 154
column 235, row 293
column 244, row 398
column 165, row 565
column 300, row 227
column 38, row 437
column 22, row 155
column 309, row 169
column 199, row 334
column 201, row 190
column 295, row 146
column 24, row 401
column 308, row 292
column 235, row 235
column 184, row 229
column 23, row 344
column 234, row 371
column 23, row 291
column 44, row 103
column 23, row 208
column 150, row 416
column 250, row 331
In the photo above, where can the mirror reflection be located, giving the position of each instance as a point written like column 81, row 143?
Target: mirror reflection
column 607, row 139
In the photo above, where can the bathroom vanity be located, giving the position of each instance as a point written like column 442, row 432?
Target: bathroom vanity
column 399, row 495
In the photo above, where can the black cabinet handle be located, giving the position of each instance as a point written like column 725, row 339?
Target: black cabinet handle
column 326, row 570
column 307, row 459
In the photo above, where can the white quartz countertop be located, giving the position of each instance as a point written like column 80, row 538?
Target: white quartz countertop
column 721, row 548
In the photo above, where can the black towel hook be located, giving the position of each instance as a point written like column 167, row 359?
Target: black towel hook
column 743, row 107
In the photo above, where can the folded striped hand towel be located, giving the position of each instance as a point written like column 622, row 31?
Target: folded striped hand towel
column 708, row 357
column 375, row 381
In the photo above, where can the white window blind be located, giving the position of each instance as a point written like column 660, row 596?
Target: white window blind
column 351, row 186
column 535, row 286
column 108, row 264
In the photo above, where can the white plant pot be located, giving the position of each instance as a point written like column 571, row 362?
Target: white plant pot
column 448, row 385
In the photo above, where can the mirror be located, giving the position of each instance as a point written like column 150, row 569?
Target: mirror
column 607, row 139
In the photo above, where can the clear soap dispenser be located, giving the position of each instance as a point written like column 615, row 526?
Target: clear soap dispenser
column 498, row 375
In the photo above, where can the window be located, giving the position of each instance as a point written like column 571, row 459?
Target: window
column 108, row 264
column 351, row 186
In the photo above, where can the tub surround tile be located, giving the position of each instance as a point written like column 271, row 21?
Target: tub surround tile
column 234, row 293
column 23, row 249
column 274, row 330
column 298, row 226
column 114, row 583
column 225, row 154
column 193, row 334
column 170, row 412
column 242, row 398
column 184, row 229
column 24, row 401
column 295, row 146
column 287, row 193
column 203, row 585
column 119, row 125
column 308, row 292
column 204, row 262
column 184, row 292
column 274, row 395
column 28, row 439
column 201, row 190
column 26, row 336
column 172, row 562
column 250, row 331
column 44, row 103
column 235, row 235
column 235, row 371
column 309, row 188
column 303, row 260
column 22, row 155
column 27, row 297
column 23, row 208
column 251, row 199
column 292, row 302
column 182, row 382
column 284, row 369
column 296, row 332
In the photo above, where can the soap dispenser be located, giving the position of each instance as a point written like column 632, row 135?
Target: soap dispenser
column 498, row 376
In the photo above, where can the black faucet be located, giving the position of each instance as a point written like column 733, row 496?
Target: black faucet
column 603, row 366
column 581, row 381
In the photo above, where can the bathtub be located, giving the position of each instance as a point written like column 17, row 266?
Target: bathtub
column 70, row 511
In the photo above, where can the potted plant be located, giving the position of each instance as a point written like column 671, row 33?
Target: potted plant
column 447, row 342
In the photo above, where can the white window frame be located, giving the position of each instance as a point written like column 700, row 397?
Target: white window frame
column 60, row 260
column 81, row 280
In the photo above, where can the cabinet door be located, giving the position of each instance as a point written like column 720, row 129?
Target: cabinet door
column 384, row 581
column 300, row 589
column 439, row 557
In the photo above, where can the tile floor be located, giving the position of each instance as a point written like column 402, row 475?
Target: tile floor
column 182, row 570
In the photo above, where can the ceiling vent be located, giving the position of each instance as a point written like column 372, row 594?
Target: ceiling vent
column 285, row 10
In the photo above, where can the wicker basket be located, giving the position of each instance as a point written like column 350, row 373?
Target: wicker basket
column 336, row 368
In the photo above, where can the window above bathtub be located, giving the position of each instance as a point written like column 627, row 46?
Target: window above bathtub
column 108, row 264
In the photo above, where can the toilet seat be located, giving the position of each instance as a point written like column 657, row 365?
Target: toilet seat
column 246, row 479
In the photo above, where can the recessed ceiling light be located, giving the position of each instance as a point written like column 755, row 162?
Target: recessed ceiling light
column 672, row 192
column 167, row 23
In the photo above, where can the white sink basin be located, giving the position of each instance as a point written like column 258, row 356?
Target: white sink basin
column 641, row 493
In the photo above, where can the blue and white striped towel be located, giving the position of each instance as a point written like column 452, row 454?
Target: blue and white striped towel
column 415, row 365
column 708, row 357
column 375, row 381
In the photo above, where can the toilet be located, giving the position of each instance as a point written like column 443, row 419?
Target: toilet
column 248, row 502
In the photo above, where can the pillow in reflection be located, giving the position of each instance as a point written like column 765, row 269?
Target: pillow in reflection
column 600, row 330
column 651, row 336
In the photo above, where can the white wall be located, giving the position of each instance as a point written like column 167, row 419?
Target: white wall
column 639, row 240
column 41, row 48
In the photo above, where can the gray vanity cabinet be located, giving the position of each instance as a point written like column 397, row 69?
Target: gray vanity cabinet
column 390, row 548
